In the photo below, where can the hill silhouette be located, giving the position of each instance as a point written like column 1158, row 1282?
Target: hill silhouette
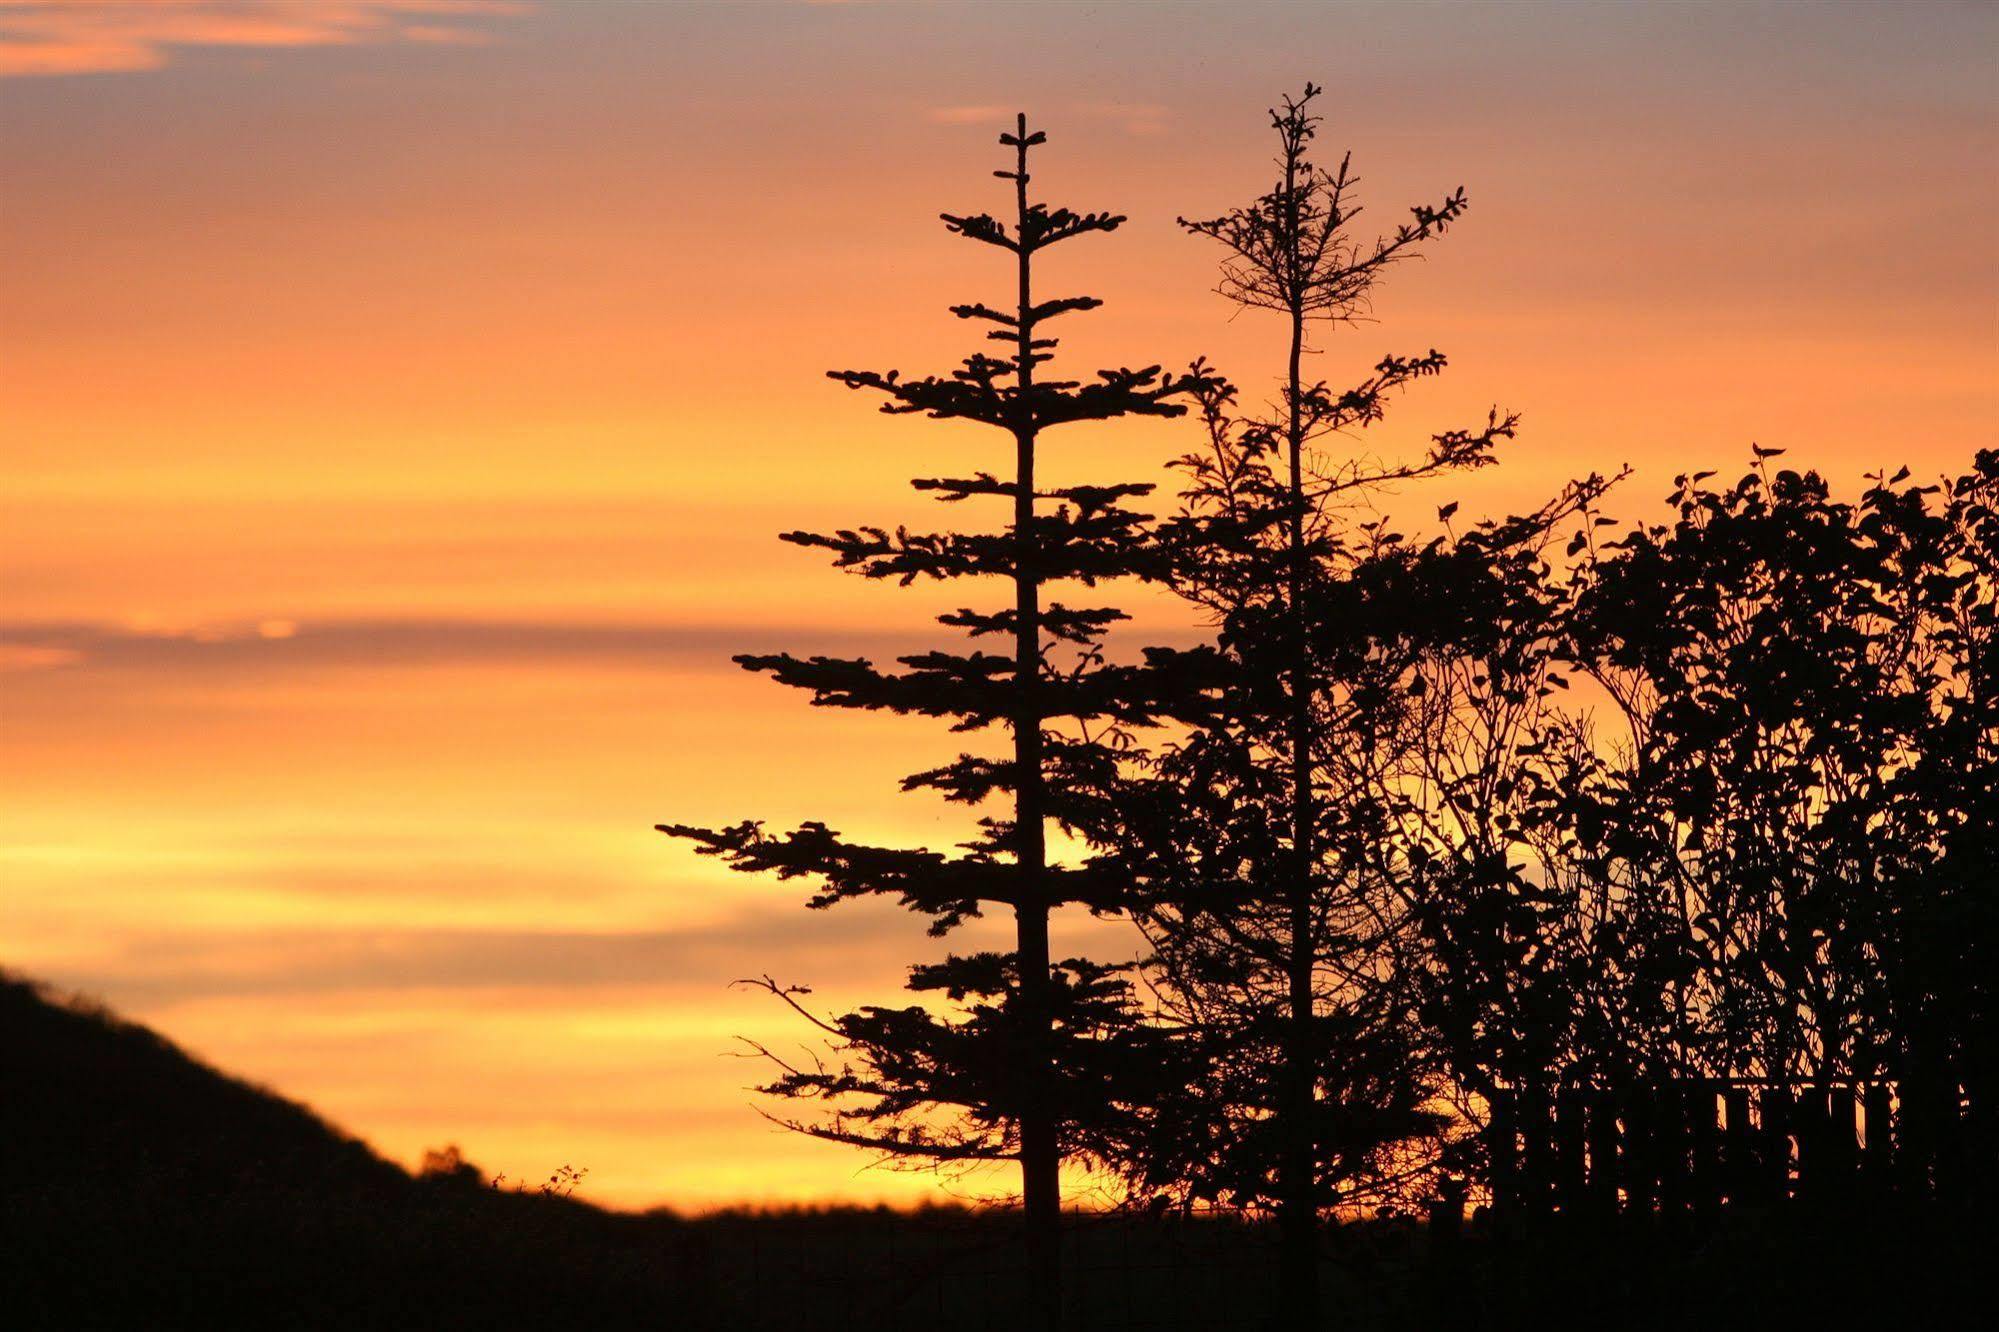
column 99, row 1102
column 141, row 1188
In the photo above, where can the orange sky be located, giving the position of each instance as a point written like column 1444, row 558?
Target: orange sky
column 398, row 400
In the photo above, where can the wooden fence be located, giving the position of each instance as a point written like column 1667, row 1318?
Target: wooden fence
column 1689, row 1148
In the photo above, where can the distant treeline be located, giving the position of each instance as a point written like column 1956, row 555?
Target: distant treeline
column 1540, row 860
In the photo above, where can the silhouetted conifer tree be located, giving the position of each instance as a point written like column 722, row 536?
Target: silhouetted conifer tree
column 1275, row 947
column 1021, row 1066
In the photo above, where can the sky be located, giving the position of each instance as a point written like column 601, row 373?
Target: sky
column 399, row 400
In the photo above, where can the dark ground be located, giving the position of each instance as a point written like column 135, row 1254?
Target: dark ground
column 140, row 1189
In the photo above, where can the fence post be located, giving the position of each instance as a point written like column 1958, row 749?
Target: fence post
column 1776, row 1135
column 1842, row 1145
column 1501, row 1153
column 1878, row 1159
column 1916, row 1144
column 1603, row 1152
column 1953, row 1152
column 1641, row 1173
column 1670, row 1151
column 1739, row 1152
column 1981, row 1130
column 1701, row 1106
column 1571, row 1127
column 1537, row 1175
column 1808, row 1128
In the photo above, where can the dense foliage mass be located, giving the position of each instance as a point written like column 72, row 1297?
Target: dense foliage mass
column 1721, row 804
column 1435, row 841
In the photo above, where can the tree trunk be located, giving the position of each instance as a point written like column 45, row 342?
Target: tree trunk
column 1040, row 1148
column 1298, row 1185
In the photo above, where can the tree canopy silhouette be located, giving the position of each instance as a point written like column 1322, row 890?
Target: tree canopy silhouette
column 1276, row 949
column 1439, row 844
column 1013, row 1056
column 1741, row 846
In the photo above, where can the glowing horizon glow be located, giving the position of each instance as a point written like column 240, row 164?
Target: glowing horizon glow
column 397, row 427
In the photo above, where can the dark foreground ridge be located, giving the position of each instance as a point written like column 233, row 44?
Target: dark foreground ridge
column 143, row 1189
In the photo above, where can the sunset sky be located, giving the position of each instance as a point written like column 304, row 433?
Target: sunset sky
column 399, row 399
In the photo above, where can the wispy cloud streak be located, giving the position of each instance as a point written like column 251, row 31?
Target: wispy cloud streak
column 838, row 946
column 28, row 646
column 38, row 37
column 367, row 643
column 1136, row 118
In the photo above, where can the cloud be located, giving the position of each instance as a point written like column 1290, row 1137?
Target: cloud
column 385, row 644
column 52, row 37
column 377, row 644
column 23, row 657
column 865, row 945
column 844, row 946
column 1137, row 118
column 969, row 115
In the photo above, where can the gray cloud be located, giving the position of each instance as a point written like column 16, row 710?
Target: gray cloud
column 832, row 947
column 38, row 37
column 866, row 944
column 377, row 643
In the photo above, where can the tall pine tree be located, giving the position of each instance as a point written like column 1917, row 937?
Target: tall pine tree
column 1024, row 1057
column 1273, row 943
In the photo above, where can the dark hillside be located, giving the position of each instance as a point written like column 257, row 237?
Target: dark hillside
column 95, row 1101
column 141, row 1188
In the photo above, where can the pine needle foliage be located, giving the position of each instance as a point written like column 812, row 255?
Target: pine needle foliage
column 1250, row 838
column 1010, row 1055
